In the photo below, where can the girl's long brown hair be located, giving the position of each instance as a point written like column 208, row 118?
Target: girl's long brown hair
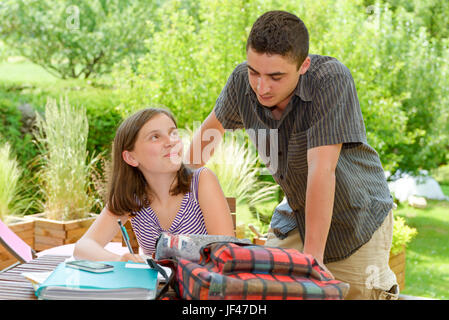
column 128, row 190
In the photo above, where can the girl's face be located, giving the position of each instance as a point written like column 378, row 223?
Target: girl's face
column 158, row 148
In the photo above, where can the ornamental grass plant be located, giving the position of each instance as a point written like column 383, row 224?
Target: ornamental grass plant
column 65, row 167
column 12, row 202
column 238, row 168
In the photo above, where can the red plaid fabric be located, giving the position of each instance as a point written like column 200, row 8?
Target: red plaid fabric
column 251, row 272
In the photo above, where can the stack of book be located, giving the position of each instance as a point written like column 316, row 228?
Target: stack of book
column 127, row 281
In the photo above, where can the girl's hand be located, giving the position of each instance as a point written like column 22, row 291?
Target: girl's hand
column 131, row 257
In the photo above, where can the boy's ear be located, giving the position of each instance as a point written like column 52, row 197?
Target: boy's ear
column 305, row 66
column 129, row 159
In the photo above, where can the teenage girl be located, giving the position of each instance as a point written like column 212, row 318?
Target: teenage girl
column 151, row 186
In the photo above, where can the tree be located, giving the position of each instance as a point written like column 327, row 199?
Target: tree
column 75, row 38
column 399, row 68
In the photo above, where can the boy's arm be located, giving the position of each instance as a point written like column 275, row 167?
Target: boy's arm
column 204, row 141
column 320, row 194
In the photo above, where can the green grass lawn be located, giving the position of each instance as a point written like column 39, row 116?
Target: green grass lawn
column 427, row 255
column 20, row 70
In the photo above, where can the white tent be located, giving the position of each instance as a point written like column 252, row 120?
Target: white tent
column 423, row 186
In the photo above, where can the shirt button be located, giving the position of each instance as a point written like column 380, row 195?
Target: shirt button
column 282, row 177
column 280, row 153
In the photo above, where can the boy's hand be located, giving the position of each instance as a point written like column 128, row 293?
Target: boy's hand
column 323, row 266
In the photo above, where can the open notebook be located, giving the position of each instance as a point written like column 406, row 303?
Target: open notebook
column 127, row 281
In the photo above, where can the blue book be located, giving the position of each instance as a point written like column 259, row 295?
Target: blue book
column 66, row 283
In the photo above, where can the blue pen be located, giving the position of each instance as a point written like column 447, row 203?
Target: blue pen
column 125, row 236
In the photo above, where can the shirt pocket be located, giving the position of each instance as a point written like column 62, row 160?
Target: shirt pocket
column 297, row 152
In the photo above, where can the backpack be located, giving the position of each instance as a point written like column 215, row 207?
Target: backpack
column 244, row 271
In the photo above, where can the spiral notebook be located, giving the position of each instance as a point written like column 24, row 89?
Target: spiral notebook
column 66, row 283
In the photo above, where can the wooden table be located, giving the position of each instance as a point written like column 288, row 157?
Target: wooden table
column 13, row 286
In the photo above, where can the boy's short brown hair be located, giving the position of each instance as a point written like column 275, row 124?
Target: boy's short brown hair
column 280, row 32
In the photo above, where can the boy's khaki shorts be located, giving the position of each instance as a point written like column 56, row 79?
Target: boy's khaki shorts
column 366, row 271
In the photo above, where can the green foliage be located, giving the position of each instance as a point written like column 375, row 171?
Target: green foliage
column 441, row 174
column 102, row 111
column 402, row 235
column 433, row 14
column 65, row 171
column 11, row 132
column 400, row 71
column 100, row 101
column 397, row 52
column 189, row 57
column 263, row 214
column 4, row 52
column 358, row 44
column 400, row 77
column 424, row 78
column 75, row 38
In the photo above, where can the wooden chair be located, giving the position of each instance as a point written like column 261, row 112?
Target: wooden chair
column 15, row 246
column 133, row 238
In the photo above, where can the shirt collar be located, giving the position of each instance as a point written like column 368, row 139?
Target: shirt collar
column 303, row 88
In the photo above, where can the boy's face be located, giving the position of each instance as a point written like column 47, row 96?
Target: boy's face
column 273, row 77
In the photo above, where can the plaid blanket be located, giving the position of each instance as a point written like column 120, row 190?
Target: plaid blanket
column 234, row 271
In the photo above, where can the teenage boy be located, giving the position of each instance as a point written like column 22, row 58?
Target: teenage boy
column 337, row 195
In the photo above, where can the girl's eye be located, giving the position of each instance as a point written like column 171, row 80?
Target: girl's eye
column 154, row 137
column 174, row 133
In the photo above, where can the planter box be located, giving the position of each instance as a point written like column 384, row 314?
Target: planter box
column 397, row 265
column 51, row 233
column 24, row 228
